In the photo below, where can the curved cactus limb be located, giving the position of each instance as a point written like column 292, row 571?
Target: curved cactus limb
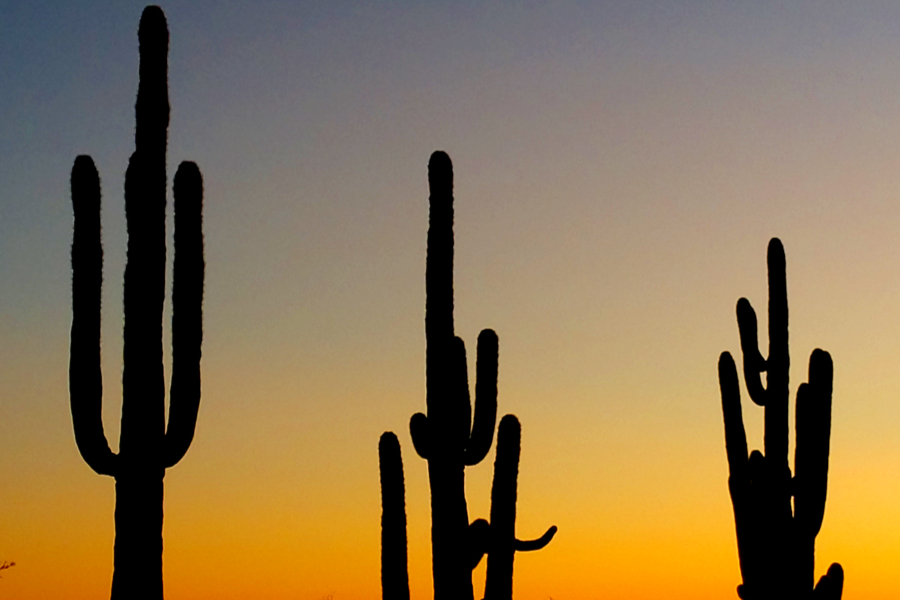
column 776, row 539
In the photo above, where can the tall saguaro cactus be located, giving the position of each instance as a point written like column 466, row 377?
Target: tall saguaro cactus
column 147, row 445
column 776, row 539
column 447, row 437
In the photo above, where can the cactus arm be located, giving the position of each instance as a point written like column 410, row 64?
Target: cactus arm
column 187, row 313
column 478, row 542
column 85, row 376
column 459, row 407
column 754, row 363
column 482, row 435
column 420, row 432
column 739, row 479
column 394, row 564
column 813, row 430
column 532, row 545
column 831, row 585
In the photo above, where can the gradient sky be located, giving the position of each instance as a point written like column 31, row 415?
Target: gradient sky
column 620, row 168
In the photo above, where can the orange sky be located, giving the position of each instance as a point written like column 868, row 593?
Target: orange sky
column 619, row 172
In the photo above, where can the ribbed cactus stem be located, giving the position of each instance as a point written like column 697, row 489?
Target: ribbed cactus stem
column 394, row 566
column 146, row 447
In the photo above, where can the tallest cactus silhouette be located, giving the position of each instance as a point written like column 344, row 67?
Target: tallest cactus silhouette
column 147, row 444
column 447, row 436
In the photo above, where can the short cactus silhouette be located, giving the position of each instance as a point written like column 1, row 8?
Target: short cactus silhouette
column 147, row 446
column 447, row 436
column 776, row 540
column 394, row 569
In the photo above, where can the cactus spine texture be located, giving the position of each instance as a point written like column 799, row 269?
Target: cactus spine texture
column 776, row 540
column 147, row 445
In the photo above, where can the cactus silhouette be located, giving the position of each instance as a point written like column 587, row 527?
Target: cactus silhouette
column 449, row 440
column 394, row 573
column 503, row 544
column 447, row 437
column 147, row 445
column 776, row 540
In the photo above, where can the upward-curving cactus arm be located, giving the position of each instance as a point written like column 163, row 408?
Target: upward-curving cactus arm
column 85, row 376
column 187, row 313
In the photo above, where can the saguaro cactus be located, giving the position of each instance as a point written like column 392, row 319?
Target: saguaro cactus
column 394, row 566
column 776, row 541
column 447, row 437
column 503, row 543
column 147, row 446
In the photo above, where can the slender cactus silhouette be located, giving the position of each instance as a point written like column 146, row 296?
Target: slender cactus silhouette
column 449, row 440
column 503, row 543
column 147, row 446
column 776, row 540
column 394, row 570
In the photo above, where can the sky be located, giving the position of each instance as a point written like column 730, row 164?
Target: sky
column 620, row 169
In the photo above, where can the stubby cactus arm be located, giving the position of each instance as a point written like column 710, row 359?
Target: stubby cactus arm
column 85, row 377
column 187, row 313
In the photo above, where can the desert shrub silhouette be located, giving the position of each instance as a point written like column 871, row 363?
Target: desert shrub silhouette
column 450, row 439
column 776, row 541
column 147, row 446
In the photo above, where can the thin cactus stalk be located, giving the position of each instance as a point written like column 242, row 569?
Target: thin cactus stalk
column 503, row 542
column 776, row 538
column 447, row 437
column 147, row 444
column 394, row 570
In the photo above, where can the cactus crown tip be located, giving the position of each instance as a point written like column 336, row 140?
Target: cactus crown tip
column 440, row 169
column 153, row 23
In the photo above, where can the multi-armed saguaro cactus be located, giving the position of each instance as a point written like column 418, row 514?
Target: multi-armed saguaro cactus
column 776, row 541
column 449, row 440
column 147, row 447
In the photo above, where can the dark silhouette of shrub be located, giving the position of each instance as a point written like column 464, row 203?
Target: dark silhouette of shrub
column 776, row 540
column 450, row 439
column 147, row 447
